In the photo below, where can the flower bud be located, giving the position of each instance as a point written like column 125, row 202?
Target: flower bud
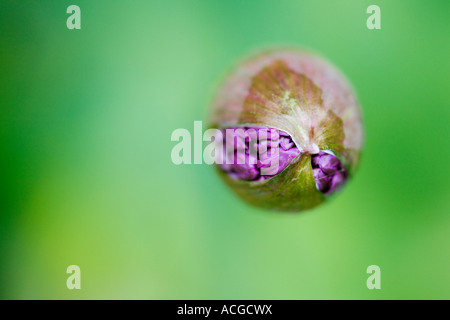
column 292, row 130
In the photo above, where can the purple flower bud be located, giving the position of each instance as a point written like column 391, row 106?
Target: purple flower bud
column 322, row 180
column 286, row 143
column 328, row 163
column 295, row 129
column 337, row 181
column 267, row 153
column 328, row 171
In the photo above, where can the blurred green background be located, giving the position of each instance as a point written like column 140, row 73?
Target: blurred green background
column 86, row 176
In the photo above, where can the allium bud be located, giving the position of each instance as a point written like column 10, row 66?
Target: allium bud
column 292, row 130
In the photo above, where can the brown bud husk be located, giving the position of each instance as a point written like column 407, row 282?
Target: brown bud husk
column 304, row 95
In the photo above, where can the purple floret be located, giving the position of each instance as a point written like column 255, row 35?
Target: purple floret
column 257, row 153
column 328, row 171
column 260, row 153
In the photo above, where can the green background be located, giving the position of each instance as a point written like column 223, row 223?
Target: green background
column 86, row 175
